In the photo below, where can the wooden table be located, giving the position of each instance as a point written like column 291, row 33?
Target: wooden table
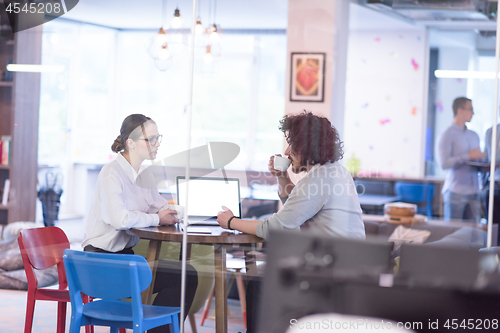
column 220, row 241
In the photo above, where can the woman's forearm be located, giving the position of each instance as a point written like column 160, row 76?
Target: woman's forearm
column 285, row 186
column 246, row 226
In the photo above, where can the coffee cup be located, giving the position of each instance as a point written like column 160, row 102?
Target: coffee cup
column 180, row 211
column 281, row 163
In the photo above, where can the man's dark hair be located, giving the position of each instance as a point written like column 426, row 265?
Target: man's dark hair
column 313, row 138
column 459, row 103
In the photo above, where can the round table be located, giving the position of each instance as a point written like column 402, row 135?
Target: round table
column 219, row 238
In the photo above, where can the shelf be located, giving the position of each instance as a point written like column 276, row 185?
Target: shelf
column 6, row 83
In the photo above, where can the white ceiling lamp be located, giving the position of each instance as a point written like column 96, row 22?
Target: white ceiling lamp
column 456, row 74
column 34, row 68
column 177, row 21
column 207, row 66
column 198, row 28
column 214, row 31
column 208, row 57
column 158, row 46
column 214, row 34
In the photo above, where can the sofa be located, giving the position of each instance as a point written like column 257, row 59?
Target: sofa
column 445, row 233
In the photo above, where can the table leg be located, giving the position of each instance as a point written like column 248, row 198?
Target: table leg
column 152, row 258
column 220, row 289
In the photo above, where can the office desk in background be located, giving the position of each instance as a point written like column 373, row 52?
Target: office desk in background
column 157, row 235
column 377, row 200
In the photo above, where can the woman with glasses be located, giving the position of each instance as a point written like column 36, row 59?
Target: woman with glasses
column 127, row 198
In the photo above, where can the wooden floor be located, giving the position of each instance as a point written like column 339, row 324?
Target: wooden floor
column 13, row 302
column 13, row 309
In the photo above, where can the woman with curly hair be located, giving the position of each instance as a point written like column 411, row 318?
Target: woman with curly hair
column 325, row 200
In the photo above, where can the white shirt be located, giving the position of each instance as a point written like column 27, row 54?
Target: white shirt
column 120, row 204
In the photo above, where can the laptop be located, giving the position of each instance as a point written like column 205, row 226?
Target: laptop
column 207, row 195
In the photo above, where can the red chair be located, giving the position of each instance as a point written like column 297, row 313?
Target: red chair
column 42, row 248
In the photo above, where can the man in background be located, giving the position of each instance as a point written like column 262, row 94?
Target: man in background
column 458, row 147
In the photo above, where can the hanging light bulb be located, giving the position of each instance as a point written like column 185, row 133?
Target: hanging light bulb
column 160, row 38
column 214, row 35
column 177, row 21
column 198, row 28
column 208, row 58
column 164, row 59
column 157, row 42
column 164, row 53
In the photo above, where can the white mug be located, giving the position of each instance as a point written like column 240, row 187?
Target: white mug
column 281, row 163
column 180, row 211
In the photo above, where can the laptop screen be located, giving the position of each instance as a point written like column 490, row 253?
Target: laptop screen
column 208, row 195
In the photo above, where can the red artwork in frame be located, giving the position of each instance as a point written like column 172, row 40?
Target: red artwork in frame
column 307, row 77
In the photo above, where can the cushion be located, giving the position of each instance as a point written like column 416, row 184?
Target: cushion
column 17, row 279
column 11, row 260
column 12, row 230
column 464, row 237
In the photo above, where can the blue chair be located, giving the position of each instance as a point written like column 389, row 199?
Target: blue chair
column 416, row 193
column 110, row 278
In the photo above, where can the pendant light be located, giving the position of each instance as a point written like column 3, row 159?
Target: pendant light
column 207, row 64
column 158, row 46
column 177, row 21
column 208, row 57
column 214, row 35
column 214, row 31
column 198, row 28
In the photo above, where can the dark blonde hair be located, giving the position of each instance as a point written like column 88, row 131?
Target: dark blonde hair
column 459, row 103
column 128, row 126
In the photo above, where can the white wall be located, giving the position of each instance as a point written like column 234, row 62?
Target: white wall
column 385, row 108
column 319, row 26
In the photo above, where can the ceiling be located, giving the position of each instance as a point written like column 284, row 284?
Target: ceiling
column 246, row 14
column 146, row 14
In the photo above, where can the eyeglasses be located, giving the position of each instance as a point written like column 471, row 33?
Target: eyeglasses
column 154, row 139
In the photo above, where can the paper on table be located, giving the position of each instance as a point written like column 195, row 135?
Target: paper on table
column 402, row 235
column 196, row 229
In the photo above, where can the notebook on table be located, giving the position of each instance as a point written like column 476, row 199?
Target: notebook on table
column 206, row 197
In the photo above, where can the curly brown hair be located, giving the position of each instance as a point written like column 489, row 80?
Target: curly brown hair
column 312, row 137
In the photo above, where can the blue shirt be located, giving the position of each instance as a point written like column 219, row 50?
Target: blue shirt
column 454, row 146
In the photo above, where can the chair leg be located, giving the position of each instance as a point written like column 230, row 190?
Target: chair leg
column 30, row 310
column 113, row 330
column 61, row 316
column 192, row 322
column 208, row 303
column 86, row 299
column 242, row 296
column 122, row 330
column 174, row 326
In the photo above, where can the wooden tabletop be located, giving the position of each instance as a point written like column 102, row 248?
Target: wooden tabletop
column 172, row 233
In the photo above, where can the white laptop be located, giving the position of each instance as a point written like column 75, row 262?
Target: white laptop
column 206, row 197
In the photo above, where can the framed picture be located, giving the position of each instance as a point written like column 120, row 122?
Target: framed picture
column 307, row 77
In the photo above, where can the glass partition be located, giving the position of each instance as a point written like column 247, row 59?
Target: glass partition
column 389, row 84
